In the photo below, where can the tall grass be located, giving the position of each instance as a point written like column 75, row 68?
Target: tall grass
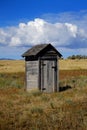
column 21, row 110
column 73, row 82
column 66, row 110
column 11, row 80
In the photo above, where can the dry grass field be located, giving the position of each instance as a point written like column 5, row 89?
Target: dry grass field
column 19, row 65
column 9, row 66
column 66, row 110
column 72, row 68
column 73, row 64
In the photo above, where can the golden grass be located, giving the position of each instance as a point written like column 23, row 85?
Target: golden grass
column 73, row 64
column 19, row 65
column 10, row 66
column 27, row 111
column 21, row 110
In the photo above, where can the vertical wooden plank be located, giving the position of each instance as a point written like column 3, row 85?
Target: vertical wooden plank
column 42, row 75
column 50, row 76
column 45, row 76
column 53, row 76
column 57, row 74
column 44, row 84
column 25, row 76
column 39, row 73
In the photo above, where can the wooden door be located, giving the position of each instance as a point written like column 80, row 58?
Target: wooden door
column 48, row 75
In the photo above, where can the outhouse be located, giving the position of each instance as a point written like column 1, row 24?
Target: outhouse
column 41, row 66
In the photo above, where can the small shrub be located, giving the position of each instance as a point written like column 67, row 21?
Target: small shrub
column 1, row 75
column 52, row 105
column 45, row 98
column 36, row 93
column 36, row 110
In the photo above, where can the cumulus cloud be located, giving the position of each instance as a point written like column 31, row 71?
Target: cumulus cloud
column 40, row 31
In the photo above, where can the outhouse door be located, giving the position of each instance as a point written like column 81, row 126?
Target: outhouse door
column 48, row 75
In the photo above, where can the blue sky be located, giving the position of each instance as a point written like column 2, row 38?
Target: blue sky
column 24, row 23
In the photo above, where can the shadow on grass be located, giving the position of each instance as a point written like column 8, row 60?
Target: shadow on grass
column 64, row 88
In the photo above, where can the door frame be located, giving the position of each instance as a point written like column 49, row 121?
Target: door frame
column 55, row 74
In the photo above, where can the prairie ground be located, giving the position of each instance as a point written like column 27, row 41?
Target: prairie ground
column 19, row 65
column 11, row 66
column 73, row 64
column 65, row 110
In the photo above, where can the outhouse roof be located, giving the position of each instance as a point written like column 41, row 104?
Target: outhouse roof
column 37, row 49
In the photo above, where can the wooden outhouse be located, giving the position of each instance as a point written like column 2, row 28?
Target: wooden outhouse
column 41, row 65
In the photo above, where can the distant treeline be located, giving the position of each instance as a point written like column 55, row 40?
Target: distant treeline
column 77, row 57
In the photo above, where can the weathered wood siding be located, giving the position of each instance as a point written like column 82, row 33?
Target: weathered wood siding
column 32, row 75
column 57, row 73
column 48, row 75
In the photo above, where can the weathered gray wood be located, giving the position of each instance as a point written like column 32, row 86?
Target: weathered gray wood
column 42, row 70
column 39, row 73
column 56, row 67
column 57, row 74
column 48, row 75
column 42, row 74
column 32, row 74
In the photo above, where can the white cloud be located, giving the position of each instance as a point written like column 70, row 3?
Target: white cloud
column 72, row 29
column 3, row 36
column 67, row 31
column 41, row 31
